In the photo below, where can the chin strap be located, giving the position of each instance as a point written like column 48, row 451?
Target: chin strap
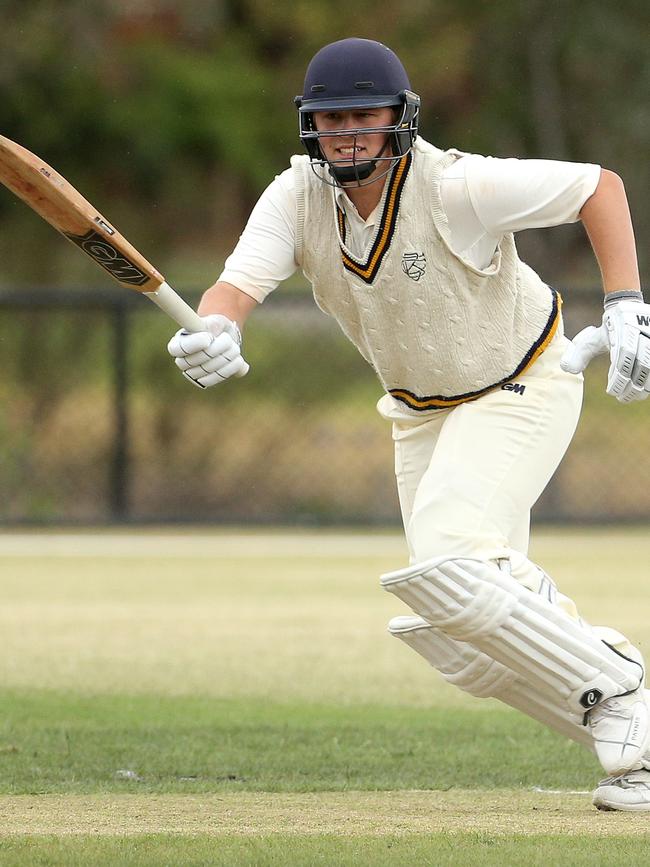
column 357, row 171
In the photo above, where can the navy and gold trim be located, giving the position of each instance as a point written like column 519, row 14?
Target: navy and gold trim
column 422, row 404
column 367, row 270
column 340, row 218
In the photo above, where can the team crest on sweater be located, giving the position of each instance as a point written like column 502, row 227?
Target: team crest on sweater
column 414, row 265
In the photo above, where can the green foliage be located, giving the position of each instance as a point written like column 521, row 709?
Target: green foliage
column 175, row 116
column 203, row 108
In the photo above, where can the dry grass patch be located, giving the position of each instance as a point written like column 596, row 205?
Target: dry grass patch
column 348, row 814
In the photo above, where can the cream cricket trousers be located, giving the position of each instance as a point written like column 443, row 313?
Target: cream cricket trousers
column 468, row 476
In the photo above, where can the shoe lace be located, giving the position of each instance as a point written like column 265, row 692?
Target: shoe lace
column 626, row 780
column 611, row 707
column 620, row 707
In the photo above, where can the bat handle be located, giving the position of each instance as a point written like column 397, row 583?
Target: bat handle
column 174, row 306
column 180, row 311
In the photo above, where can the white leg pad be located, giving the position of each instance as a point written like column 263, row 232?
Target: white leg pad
column 477, row 674
column 475, row 602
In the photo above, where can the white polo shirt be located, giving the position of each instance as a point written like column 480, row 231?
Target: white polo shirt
column 484, row 198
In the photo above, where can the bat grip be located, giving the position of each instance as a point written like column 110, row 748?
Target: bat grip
column 181, row 312
column 174, row 306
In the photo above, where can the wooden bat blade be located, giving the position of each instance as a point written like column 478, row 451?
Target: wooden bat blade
column 57, row 201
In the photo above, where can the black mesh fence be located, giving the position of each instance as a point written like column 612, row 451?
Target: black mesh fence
column 97, row 425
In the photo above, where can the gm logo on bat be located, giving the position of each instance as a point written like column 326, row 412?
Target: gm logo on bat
column 112, row 260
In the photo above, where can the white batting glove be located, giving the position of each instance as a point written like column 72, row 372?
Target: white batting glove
column 625, row 334
column 209, row 357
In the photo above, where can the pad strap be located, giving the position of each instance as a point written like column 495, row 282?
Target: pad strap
column 480, row 676
column 475, row 602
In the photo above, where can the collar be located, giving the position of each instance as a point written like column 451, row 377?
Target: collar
column 345, row 203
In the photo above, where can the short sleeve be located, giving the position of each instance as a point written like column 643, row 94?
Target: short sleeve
column 510, row 195
column 265, row 253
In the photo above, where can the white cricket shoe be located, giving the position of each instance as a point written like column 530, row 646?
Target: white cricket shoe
column 620, row 728
column 630, row 791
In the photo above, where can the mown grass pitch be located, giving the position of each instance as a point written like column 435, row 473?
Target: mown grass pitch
column 221, row 698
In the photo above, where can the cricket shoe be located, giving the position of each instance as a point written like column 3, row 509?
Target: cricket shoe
column 630, row 791
column 620, row 727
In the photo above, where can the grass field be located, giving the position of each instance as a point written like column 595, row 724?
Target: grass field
column 233, row 698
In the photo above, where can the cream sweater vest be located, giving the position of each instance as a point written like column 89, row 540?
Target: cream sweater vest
column 437, row 330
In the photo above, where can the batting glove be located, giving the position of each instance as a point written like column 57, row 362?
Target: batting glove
column 209, row 357
column 625, row 334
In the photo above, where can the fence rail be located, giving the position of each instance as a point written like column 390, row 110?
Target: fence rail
column 97, row 426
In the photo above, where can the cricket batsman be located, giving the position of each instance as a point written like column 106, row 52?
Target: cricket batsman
column 410, row 248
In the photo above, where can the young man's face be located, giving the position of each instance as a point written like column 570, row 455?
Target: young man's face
column 348, row 148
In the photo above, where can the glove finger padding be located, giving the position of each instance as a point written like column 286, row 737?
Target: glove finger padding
column 641, row 370
column 627, row 328
column 223, row 345
column 187, row 342
column 630, row 393
column 623, row 340
column 585, row 346
column 237, row 368
column 637, row 386
column 211, row 365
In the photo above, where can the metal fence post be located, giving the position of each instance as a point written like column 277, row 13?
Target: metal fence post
column 119, row 484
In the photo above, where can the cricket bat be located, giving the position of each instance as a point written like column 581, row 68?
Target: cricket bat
column 57, row 201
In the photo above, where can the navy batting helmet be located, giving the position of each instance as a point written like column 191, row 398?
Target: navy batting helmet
column 353, row 74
